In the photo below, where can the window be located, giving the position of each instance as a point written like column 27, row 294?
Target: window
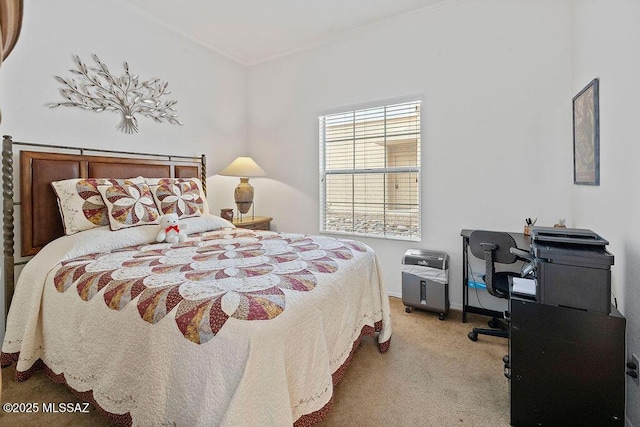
column 370, row 172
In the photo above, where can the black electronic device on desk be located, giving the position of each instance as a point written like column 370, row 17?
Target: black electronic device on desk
column 572, row 268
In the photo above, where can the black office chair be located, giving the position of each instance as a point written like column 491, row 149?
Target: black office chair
column 494, row 247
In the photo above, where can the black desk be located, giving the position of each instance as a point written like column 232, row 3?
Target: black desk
column 566, row 366
column 522, row 241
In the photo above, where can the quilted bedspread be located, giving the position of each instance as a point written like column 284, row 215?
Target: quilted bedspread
column 231, row 327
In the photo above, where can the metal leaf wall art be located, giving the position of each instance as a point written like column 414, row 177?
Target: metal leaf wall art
column 96, row 89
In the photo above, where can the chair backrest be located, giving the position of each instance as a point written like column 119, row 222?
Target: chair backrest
column 503, row 241
column 492, row 246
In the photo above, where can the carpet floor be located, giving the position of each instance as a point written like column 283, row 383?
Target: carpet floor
column 432, row 375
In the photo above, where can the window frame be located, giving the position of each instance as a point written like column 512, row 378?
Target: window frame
column 385, row 171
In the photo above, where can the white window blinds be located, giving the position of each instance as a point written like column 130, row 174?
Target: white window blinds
column 370, row 171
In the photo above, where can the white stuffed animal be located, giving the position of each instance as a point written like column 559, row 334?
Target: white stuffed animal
column 170, row 230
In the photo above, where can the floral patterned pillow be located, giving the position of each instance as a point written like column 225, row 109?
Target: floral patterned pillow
column 182, row 196
column 80, row 203
column 178, row 196
column 129, row 205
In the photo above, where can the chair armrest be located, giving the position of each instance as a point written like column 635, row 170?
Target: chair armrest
column 522, row 254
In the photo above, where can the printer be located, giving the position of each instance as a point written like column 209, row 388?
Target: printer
column 572, row 268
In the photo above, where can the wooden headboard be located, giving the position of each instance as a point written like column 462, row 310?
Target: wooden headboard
column 40, row 221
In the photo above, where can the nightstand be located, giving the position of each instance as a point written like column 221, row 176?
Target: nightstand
column 253, row 223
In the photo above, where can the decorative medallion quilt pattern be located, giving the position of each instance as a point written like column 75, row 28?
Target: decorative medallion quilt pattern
column 220, row 274
column 82, row 195
column 93, row 207
column 180, row 197
column 129, row 205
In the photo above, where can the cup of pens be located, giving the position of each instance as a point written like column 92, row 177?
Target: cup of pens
column 528, row 223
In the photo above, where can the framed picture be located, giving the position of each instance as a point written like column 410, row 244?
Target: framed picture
column 586, row 136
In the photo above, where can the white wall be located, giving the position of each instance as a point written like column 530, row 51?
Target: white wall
column 495, row 79
column 606, row 39
column 210, row 89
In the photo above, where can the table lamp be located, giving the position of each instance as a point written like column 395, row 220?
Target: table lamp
column 243, row 167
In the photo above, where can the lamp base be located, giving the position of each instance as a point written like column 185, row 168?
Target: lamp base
column 243, row 195
column 240, row 215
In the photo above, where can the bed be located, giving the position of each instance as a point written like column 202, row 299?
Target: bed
column 229, row 327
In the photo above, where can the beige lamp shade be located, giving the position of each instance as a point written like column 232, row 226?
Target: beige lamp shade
column 243, row 167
